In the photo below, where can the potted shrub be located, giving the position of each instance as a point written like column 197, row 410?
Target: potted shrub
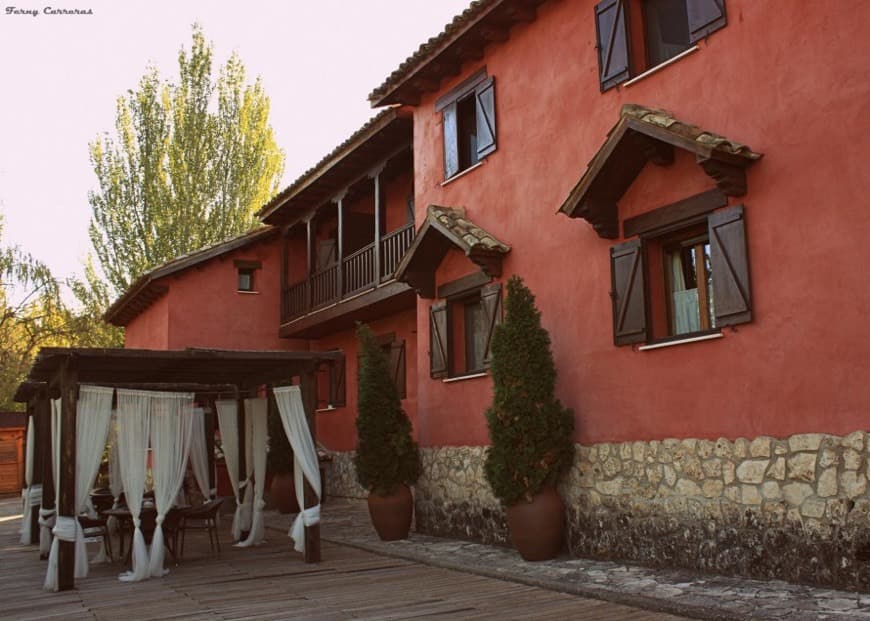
column 530, row 432
column 279, row 464
column 387, row 461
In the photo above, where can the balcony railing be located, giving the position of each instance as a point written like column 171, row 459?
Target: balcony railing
column 324, row 288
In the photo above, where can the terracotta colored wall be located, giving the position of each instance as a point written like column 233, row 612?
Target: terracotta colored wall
column 150, row 329
column 336, row 429
column 791, row 83
column 204, row 309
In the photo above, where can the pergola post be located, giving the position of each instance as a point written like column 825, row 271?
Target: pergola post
column 309, row 402
column 68, row 381
column 243, row 467
column 209, row 424
column 43, row 450
column 35, row 459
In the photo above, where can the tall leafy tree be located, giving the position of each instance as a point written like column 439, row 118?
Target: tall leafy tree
column 190, row 163
column 32, row 315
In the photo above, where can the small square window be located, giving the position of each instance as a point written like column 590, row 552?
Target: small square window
column 245, row 279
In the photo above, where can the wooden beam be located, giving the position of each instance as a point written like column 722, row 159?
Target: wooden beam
column 67, row 483
column 209, row 424
column 309, row 401
column 677, row 212
column 243, row 467
column 35, row 458
column 467, row 283
column 43, row 412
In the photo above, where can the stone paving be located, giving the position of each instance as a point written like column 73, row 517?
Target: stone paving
column 678, row 592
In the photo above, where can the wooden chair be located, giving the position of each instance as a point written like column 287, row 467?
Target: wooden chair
column 204, row 518
column 96, row 529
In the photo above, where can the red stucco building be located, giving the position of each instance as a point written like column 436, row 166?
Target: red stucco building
column 680, row 185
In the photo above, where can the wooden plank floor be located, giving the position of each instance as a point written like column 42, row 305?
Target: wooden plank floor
column 272, row 582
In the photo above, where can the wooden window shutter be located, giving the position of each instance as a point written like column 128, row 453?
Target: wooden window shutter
column 485, row 115
column 732, row 297
column 628, row 293
column 337, row 384
column 611, row 27
column 705, row 17
column 397, row 366
column 451, row 140
column 438, row 340
column 490, row 299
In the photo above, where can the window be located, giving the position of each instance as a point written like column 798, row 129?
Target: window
column 394, row 350
column 331, row 392
column 245, row 274
column 461, row 330
column 636, row 35
column 681, row 278
column 468, row 119
column 246, row 279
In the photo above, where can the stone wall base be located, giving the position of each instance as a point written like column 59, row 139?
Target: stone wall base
column 794, row 509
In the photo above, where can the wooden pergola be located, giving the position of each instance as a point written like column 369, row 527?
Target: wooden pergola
column 58, row 372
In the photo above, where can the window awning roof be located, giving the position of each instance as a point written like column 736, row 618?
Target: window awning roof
column 445, row 228
column 647, row 135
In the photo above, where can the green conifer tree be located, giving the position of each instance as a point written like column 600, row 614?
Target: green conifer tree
column 529, row 429
column 386, row 455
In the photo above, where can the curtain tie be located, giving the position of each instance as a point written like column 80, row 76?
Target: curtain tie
column 35, row 494
column 160, row 518
column 65, row 528
column 311, row 515
column 46, row 517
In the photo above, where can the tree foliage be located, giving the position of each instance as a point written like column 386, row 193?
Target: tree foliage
column 32, row 315
column 189, row 165
column 529, row 429
column 386, row 455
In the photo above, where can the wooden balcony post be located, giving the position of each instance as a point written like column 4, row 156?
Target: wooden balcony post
column 340, row 207
column 376, row 176
column 285, row 277
column 308, row 292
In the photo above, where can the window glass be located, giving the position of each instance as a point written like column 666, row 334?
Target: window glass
column 690, row 291
column 467, row 132
column 475, row 336
column 667, row 29
column 246, row 280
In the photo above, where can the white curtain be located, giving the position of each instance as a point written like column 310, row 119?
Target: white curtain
column 115, row 483
column 289, row 399
column 133, row 421
column 93, row 413
column 256, row 411
column 171, row 425
column 29, row 496
column 227, row 411
column 199, row 453
column 246, row 490
column 686, row 317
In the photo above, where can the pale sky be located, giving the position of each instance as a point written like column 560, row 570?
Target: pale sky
column 61, row 74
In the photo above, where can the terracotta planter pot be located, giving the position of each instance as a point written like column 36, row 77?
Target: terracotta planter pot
column 537, row 527
column 282, row 491
column 391, row 515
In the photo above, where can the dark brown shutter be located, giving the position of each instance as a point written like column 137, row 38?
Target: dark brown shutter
column 337, row 384
column 732, row 297
column 611, row 26
column 451, row 140
column 438, row 340
column 397, row 366
column 629, row 308
column 490, row 299
column 705, row 17
column 485, row 114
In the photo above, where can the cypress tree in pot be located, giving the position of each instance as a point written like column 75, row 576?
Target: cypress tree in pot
column 529, row 429
column 387, row 460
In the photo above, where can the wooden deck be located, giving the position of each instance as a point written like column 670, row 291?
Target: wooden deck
column 272, row 582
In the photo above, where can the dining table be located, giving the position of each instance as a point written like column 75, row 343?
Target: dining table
column 147, row 524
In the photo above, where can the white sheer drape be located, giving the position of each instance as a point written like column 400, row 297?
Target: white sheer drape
column 685, row 301
column 171, row 425
column 133, row 420
column 289, row 399
column 227, row 412
column 256, row 411
column 26, row 496
column 116, row 485
column 199, row 453
column 93, row 413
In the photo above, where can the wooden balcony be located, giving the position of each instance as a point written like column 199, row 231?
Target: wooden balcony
column 368, row 269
